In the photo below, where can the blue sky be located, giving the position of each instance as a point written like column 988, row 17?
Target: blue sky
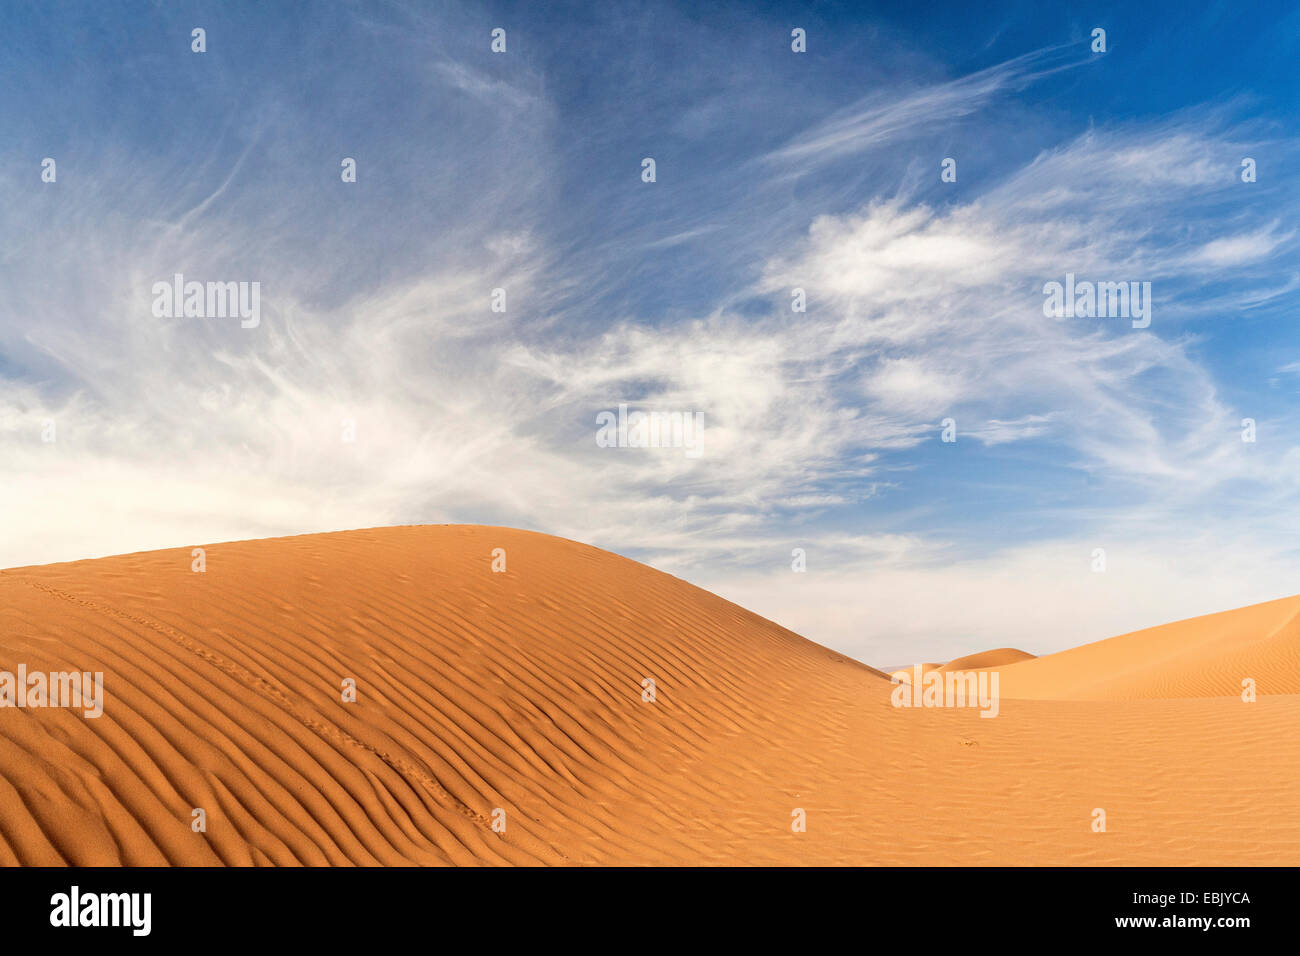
column 775, row 170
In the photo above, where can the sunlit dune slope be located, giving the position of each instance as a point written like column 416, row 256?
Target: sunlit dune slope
column 522, row 697
column 1206, row 656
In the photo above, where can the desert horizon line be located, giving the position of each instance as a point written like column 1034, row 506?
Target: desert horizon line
column 198, row 551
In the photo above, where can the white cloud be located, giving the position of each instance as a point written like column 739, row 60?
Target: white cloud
column 887, row 116
column 1242, row 249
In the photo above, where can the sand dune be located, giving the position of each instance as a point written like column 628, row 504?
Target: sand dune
column 521, row 696
column 1202, row 657
column 905, row 674
column 999, row 657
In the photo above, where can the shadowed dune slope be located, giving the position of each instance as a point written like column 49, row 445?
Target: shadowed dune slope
column 520, row 697
column 1206, row 656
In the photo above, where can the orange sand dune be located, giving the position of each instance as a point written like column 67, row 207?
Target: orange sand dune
column 905, row 674
column 1206, row 656
column 520, row 697
column 999, row 657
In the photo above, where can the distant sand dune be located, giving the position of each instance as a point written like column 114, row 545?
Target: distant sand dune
column 522, row 692
column 905, row 674
column 999, row 657
column 1202, row 657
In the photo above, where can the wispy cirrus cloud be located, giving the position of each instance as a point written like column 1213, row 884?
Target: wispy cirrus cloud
column 886, row 117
